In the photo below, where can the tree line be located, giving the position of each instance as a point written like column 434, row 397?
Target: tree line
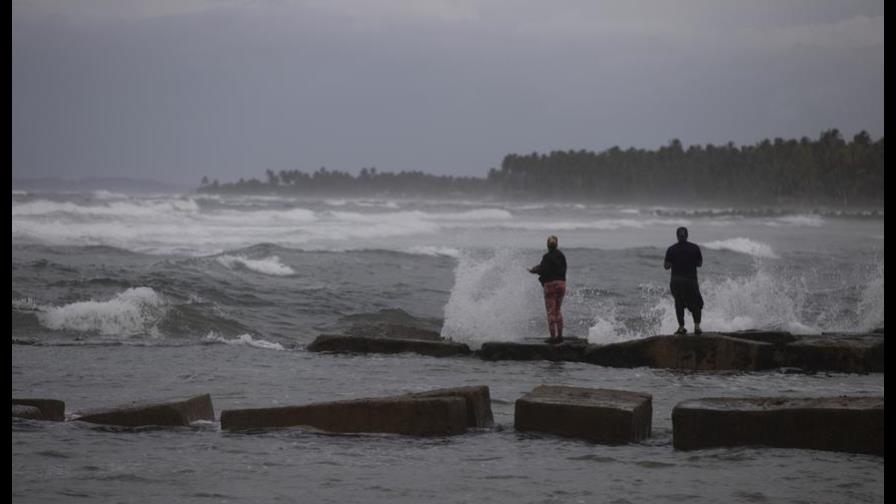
column 828, row 170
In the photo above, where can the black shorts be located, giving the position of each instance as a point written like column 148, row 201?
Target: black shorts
column 686, row 292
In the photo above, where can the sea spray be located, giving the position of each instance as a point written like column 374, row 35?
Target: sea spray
column 494, row 298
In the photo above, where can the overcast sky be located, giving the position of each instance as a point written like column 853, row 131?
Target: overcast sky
column 176, row 89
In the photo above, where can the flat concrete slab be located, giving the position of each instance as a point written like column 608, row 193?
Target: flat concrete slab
column 600, row 415
column 178, row 412
column 848, row 424
column 362, row 344
column 478, row 399
column 709, row 351
column 433, row 416
column 839, row 352
column 48, row 409
column 508, row 350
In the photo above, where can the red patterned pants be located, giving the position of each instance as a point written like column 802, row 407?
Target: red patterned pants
column 553, row 298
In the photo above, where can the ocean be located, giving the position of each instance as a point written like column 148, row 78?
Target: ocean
column 119, row 297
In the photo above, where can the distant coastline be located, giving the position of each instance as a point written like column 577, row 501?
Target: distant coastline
column 829, row 172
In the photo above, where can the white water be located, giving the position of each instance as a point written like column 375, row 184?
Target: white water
column 743, row 246
column 135, row 311
column 267, row 266
column 243, row 339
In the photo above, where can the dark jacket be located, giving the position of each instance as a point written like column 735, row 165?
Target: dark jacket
column 552, row 267
column 685, row 258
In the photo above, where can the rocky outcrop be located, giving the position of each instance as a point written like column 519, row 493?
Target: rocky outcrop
column 361, row 344
column 478, row 403
column 169, row 413
column 413, row 416
column 47, row 409
column 600, row 415
column 849, row 424
column 572, row 351
column 697, row 352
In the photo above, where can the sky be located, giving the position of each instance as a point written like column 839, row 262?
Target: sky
column 174, row 90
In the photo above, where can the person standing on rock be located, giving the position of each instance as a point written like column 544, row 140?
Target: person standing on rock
column 552, row 275
column 683, row 259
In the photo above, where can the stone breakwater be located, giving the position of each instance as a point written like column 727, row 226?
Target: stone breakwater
column 846, row 424
column 743, row 350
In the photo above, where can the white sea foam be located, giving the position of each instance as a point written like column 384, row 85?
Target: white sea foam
column 743, row 246
column 494, row 298
column 132, row 312
column 632, row 211
column 243, row 339
column 797, row 221
column 266, row 266
column 432, row 250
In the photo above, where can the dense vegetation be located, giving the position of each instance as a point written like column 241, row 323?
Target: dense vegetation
column 828, row 170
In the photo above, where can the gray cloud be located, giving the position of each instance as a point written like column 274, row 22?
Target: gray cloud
column 180, row 89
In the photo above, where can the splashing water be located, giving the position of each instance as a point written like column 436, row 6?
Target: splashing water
column 494, row 299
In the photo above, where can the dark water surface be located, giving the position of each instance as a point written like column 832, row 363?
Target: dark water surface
column 119, row 298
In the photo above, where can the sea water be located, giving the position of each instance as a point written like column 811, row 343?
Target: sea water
column 119, row 297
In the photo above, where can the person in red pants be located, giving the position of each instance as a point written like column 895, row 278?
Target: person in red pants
column 552, row 275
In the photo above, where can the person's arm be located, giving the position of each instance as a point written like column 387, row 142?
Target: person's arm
column 699, row 258
column 535, row 269
column 667, row 263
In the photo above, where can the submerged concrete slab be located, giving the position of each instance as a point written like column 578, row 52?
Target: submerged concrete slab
column 432, row 416
column 361, row 344
column 509, row 350
column 708, row 351
column 170, row 413
column 478, row 399
column 49, row 409
column 600, row 415
column 848, row 424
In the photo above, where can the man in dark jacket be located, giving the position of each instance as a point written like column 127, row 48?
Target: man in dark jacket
column 683, row 259
column 552, row 275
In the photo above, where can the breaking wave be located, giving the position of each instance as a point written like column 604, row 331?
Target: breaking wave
column 743, row 246
column 243, row 339
column 267, row 266
column 136, row 311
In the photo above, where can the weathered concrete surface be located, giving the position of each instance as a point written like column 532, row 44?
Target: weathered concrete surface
column 478, row 399
column 846, row 353
column 395, row 331
column 359, row 344
column 433, row 416
column 572, row 351
column 773, row 337
column 50, row 409
column 170, row 413
column 30, row 412
column 708, row 351
column 600, row 415
column 849, row 424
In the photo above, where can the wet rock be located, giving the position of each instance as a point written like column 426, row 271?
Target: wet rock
column 359, row 344
column 572, row 351
column 478, row 399
column 170, row 413
column 600, row 415
column 845, row 353
column 49, row 409
column 773, row 337
column 849, row 424
column 388, row 330
column 432, row 416
column 709, row 351
column 30, row 412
